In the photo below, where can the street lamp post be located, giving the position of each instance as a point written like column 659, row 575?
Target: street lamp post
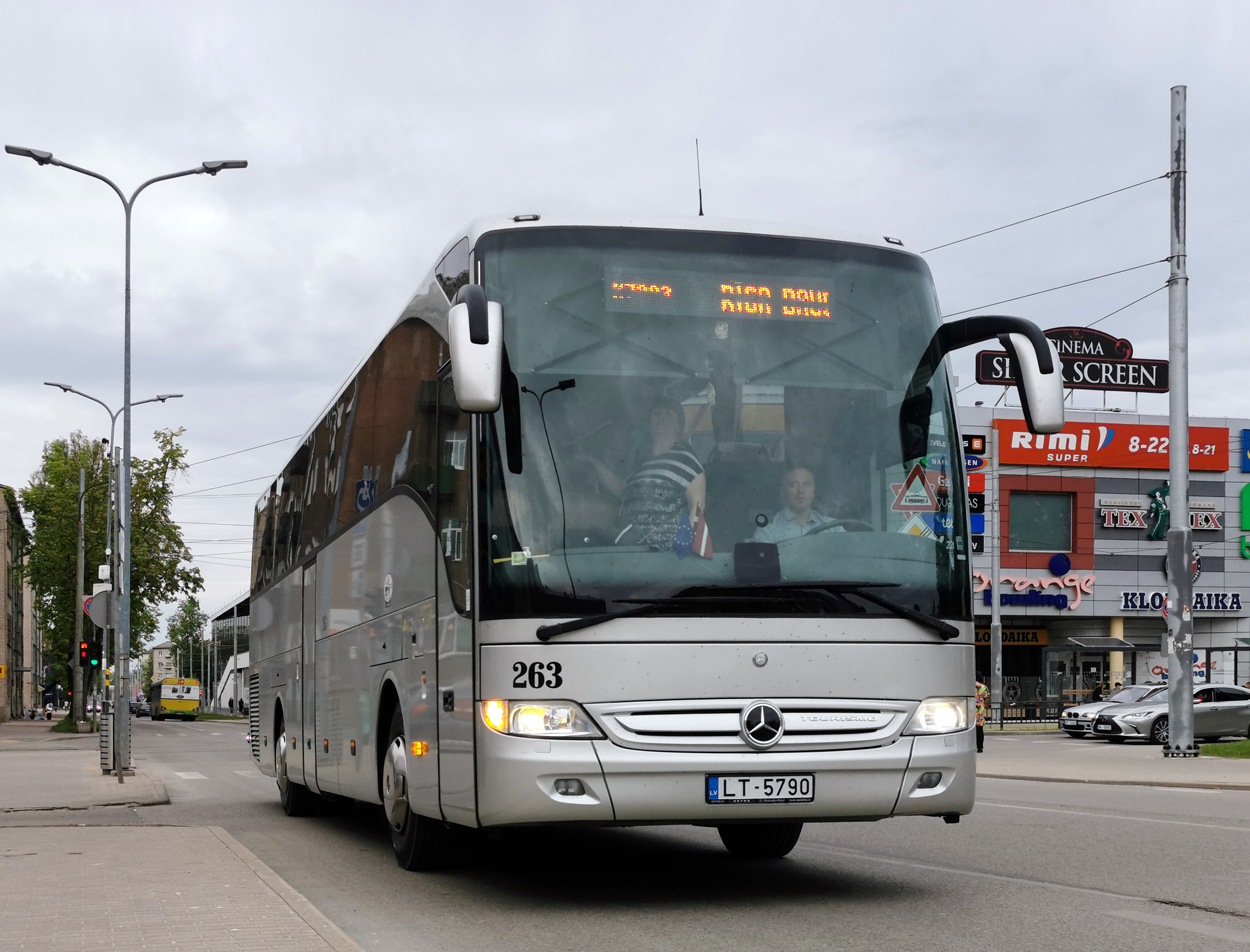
column 121, row 677
column 122, row 740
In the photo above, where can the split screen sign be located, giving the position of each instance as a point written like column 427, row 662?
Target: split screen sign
column 1089, row 359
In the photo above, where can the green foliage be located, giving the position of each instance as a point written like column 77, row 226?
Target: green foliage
column 158, row 553
column 65, row 725
column 186, row 631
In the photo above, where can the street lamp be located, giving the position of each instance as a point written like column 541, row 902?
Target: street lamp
column 119, row 683
column 121, row 747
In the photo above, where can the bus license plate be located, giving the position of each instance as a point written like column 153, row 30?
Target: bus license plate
column 761, row 788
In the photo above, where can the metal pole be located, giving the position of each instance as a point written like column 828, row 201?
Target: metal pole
column 996, row 612
column 78, row 709
column 1180, row 535
column 234, row 672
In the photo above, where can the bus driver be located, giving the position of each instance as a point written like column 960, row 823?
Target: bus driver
column 797, row 518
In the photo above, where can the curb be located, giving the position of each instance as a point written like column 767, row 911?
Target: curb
column 160, row 798
column 1194, row 785
column 335, row 937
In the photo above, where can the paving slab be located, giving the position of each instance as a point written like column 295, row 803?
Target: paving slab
column 1061, row 759
column 190, row 889
column 40, row 770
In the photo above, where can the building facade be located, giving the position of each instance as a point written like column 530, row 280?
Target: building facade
column 15, row 606
column 163, row 662
column 1081, row 525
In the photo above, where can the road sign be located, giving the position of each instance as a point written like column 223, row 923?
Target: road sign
column 99, row 607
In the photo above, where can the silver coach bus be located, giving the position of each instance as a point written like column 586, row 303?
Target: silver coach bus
column 634, row 523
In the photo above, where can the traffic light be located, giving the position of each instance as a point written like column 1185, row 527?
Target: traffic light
column 84, row 652
column 95, row 653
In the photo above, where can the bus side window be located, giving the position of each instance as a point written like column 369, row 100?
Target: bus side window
column 453, row 271
column 454, row 494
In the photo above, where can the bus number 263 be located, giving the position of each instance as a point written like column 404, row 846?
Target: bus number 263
column 535, row 675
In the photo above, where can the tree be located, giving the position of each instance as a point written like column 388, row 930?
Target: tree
column 158, row 553
column 186, row 631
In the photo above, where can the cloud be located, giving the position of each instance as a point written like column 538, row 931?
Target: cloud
column 375, row 132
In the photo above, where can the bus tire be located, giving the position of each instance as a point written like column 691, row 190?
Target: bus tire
column 760, row 840
column 419, row 842
column 297, row 800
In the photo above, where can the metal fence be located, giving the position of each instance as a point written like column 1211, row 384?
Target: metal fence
column 1025, row 712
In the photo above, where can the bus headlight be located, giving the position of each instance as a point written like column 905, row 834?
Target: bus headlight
column 538, row 719
column 940, row 715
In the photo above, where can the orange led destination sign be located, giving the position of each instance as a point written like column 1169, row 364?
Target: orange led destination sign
column 701, row 294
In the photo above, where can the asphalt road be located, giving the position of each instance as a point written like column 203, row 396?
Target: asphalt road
column 1038, row 866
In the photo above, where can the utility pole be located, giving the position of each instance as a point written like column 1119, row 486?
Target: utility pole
column 996, row 611
column 234, row 676
column 1180, row 536
column 78, row 709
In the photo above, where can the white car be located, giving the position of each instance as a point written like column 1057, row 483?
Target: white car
column 1220, row 710
column 1079, row 720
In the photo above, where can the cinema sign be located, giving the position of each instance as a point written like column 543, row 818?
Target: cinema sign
column 1091, row 360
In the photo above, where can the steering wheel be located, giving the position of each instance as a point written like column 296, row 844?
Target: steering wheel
column 850, row 525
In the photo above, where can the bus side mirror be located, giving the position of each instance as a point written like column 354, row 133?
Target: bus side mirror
column 475, row 332
column 1041, row 394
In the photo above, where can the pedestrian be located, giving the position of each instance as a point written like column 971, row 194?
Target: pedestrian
column 232, row 706
column 983, row 706
column 1097, row 695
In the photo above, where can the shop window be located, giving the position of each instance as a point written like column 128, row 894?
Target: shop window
column 1040, row 522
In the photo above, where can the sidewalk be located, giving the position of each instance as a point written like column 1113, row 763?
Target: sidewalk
column 70, row 889
column 40, row 770
column 1060, row 759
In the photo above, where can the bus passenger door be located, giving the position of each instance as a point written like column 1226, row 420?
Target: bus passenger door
column 308, row 679
column 457, row 779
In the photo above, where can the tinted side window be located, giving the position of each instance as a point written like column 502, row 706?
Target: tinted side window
column 453, row 271
column 1231, row 694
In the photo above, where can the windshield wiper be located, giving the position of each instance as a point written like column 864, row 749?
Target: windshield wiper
column 547, row 632
column 839, row 590
column 648, row 606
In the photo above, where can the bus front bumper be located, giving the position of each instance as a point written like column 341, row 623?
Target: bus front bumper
column 518, row 781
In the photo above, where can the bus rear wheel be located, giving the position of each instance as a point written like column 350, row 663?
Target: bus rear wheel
column 760, row 840
column 419, row 842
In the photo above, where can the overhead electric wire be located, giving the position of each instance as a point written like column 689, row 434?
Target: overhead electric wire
column 1162, row 287
column 1064, row 208
column 258, row 446
column 1058, row 287
column 240, row 482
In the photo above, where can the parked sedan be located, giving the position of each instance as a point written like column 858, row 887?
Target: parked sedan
column 1079, row 720
column 1219, row 711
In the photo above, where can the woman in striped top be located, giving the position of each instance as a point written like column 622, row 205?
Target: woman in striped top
column 668, row 484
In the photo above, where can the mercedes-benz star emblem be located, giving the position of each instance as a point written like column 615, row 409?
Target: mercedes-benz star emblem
column 762, row 724
column 760, row 659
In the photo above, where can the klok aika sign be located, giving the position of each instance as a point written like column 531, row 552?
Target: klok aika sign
column 1091, row 360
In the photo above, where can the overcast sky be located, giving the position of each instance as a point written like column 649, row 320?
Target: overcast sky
column 375, row 131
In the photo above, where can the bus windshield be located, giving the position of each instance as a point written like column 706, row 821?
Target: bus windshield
column 703, row 413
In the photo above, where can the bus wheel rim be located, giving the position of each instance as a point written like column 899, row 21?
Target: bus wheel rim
column 395, row 785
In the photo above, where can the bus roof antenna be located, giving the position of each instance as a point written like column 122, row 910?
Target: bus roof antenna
column 699, row 172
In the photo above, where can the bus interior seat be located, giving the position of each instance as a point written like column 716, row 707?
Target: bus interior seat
column 742, row 482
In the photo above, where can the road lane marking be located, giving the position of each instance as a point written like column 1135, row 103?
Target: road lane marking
column 216, row 734
column 1215, row 932
column 974, row 873
column 190, row 775
column 1112, row 816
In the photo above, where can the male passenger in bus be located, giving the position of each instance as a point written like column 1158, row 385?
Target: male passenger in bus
column 668, row 484
column 797, row 518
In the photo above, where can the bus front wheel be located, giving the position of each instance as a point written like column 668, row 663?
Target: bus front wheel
column 297, row 800
column 420, row 842
column 760, row 840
